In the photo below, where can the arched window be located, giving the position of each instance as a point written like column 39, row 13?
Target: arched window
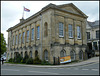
column 62, row 53
column 36, row 53
column 11, row 55
column 72, row 54
column 30, row 54
column 21, row 54
column 46, row 55
column 81, row 55
column 26, row 55
column 45, row 29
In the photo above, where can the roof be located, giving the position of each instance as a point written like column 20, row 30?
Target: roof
column 94, row 24
column 53, row 6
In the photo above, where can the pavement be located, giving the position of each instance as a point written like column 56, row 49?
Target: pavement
column 86, row 62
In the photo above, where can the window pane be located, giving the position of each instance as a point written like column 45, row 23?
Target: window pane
column 27, row 35
column 19, row 38
column 32, row 34
column 38, row 32
column 97, row 34
column 88, row 35
column 16, row 39
column 61, row 27
column 13, row 40
column 78, row 32
column 70, row 30
column 23, row 36
column 94, row 45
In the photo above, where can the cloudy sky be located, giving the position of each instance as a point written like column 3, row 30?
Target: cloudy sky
column 11, row 11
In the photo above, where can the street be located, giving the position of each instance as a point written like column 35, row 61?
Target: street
column 89, row 69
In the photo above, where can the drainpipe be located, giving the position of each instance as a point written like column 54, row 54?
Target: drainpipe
column 41, row 37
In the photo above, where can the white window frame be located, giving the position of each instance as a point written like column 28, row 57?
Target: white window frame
column 38, row 32
column 19, row 38
column 27, row 35
column 13, row 40
column 32, row 37
column 78, row 32
column 70, row 31
column 23, row 36
column 16, row 39
column 61, row 29
column 97, row 33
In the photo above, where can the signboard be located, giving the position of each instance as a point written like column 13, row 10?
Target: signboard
column 65, row 59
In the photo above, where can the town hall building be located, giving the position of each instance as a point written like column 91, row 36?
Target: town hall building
column 54, row 31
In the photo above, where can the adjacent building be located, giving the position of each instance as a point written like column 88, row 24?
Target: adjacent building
column 93, row 36
column 54, row 31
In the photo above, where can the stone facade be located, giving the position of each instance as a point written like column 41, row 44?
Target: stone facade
column 92, row 29
column 49, row 44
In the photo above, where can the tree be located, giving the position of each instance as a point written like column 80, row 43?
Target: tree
column 3, row 44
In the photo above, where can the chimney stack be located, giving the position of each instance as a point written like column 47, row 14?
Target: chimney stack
column 21, row 20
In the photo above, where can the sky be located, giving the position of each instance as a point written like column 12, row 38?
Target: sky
column 12, row 11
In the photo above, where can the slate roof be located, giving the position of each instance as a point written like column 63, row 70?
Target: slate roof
column 94, row 24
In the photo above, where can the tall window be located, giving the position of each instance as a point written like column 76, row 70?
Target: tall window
column 13, row 40
column 21, row 54
column 81, row 55
column 70, row 30
column 72, row 54
column 78, row 32
column 45, row 29
column 62, row 53
column 32, row 37
column 23, row 36
column 88, row 35
column 27, row 35
column 97, row 34
column 61, row 29
column 19, row 38
column 38, row 32
column 30, row 54
column 94, row 45
column 46, row 55
column 16, row 39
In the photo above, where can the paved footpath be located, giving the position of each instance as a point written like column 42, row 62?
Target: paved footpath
column 89, row 61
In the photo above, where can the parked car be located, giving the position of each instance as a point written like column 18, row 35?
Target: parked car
column 3, row 58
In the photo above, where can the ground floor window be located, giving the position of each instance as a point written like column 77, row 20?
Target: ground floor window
column 94, row 45
column 11, row 55
column 30, row 54
column 81, row 55
column 21, row 54
column 36, row 53
column 46, row 55
column 72, row 54
column 62, row 53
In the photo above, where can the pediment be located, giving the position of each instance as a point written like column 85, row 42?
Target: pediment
column 72, row 8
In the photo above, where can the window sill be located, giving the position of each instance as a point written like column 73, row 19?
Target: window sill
column 79, row 38
column 70, row 37
column 38, row 38
column 61, row 36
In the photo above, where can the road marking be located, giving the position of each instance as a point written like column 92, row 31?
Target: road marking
column 61, row 68
column 85, row 69
column 54, row 68
column 76, row 69
column 10, row 69
column 44, row 72
column 88, row 64
column 68, row 68
column 95, row 69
